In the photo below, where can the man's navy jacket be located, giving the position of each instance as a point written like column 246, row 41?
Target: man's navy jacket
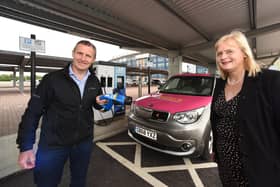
column 67, row 117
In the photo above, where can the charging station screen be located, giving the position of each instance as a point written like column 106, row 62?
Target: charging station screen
column 110, row 82
column 103, row 81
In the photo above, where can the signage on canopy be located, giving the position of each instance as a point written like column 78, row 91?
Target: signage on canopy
column 28, row 44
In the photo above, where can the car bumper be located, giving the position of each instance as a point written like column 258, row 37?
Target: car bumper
column 187, row 142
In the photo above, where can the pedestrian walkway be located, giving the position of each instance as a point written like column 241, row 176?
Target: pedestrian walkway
column 13, row 104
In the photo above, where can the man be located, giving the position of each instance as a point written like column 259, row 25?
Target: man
column 64, row 98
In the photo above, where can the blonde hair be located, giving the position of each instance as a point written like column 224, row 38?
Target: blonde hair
column 249, row 62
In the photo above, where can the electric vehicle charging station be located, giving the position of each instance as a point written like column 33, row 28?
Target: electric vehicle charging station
column 112, row 77
column 119, row 82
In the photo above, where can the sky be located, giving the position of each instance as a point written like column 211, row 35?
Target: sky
column 57, row 43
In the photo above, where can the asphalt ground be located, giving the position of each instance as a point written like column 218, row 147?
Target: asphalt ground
column 119, row 161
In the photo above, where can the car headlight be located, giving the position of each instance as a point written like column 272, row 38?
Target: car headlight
column 188, row 116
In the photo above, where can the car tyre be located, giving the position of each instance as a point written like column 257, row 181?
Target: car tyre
column 208, row 148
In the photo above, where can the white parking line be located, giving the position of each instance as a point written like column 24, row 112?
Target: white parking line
column 193, row 173
column 134, row 168
column 143, row 172
column 137, row 159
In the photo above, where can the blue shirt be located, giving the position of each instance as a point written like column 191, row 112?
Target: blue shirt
column 80, row 83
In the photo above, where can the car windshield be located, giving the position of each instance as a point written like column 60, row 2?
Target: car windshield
column 189, row 85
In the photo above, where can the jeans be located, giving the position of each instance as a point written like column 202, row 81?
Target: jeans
column 50, row 163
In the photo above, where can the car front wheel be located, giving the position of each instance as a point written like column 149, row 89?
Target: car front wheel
column 208, row 148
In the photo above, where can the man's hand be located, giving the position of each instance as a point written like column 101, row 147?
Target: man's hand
column 26, row 159
column 100, row 101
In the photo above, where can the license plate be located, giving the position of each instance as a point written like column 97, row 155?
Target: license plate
column 147, row 133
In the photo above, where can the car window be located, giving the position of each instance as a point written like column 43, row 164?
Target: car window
column 189, row 85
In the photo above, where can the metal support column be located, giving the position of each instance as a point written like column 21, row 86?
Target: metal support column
column 33, row 68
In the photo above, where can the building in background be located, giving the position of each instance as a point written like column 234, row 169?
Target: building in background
column 144, row 60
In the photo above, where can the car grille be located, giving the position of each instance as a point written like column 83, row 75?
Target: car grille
column 159, row 116
column 155, row 115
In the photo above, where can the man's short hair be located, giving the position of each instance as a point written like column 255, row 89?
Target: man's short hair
column 87, row 43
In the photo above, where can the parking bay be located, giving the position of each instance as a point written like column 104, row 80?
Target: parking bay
column 157, row 169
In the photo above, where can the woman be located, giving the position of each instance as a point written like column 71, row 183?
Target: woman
column 245, row 117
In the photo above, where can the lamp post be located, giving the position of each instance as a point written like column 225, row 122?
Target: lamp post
column 33, row 68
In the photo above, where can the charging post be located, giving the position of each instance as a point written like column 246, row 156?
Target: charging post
column 112, row 77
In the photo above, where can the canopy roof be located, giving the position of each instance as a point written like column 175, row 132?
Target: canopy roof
column 164, row 27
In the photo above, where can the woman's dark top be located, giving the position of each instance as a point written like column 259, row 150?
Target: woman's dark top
column 230, row 167
column 258, row 125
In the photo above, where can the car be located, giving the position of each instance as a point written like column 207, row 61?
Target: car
column 130, row 82
column 156, row 82
column 135, row 82
column 175, row 119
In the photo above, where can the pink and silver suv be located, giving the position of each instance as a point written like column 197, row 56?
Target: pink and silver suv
column 176, row 119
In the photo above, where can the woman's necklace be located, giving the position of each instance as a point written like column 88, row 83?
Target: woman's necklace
column 233, row 88
column 232, row 83
column 235, row 82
